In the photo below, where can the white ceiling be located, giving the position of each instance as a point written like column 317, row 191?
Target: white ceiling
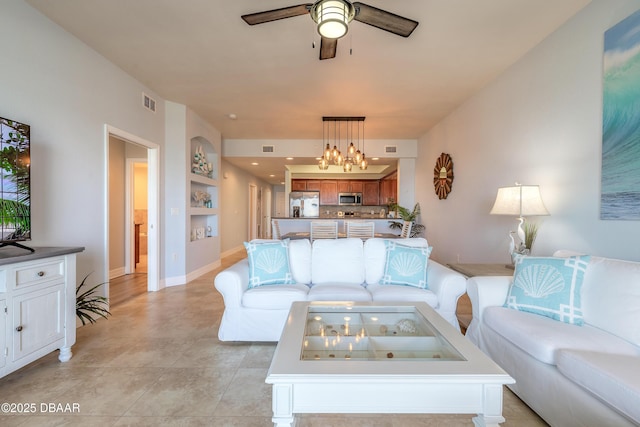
column 202, row 54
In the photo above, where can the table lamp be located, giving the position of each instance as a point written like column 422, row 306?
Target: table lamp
column 519, row 200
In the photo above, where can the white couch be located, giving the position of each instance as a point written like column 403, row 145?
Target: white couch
column 570, row 375
column 328, row 270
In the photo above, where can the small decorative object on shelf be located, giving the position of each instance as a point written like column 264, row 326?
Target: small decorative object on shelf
column 202, row 198
column 200, row 165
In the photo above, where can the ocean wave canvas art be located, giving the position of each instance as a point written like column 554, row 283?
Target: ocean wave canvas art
column 620, row 190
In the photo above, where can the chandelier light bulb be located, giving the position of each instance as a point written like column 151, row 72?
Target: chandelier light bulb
column 327, row 152
column 335, row 152
column 339, row 160
column 323, row 164
column 364, row 164
column 358, row 157
column 348, row 165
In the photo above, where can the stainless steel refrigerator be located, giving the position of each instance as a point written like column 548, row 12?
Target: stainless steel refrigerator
column 304, row 204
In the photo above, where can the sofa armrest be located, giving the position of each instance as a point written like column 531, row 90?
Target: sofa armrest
column 485, row 291
column 447, row 284
column 233, row 282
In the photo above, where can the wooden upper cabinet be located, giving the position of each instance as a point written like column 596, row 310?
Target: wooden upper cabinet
column 345, row 186
column 298, row 185
column 314, row 185
column 328, row 192
column 370, row 193
column 389, row 188
column 357, row 186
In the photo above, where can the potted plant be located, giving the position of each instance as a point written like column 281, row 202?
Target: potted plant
column 89, row 304
column 407, row 215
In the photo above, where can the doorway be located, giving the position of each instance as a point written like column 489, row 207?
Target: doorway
column 253, row 214
column 120, row 232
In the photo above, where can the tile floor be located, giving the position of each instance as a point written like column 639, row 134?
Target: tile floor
column 157, row 361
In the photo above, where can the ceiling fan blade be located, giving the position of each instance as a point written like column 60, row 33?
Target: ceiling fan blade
column 328, row 48
column 384, row 20
column 275, row 14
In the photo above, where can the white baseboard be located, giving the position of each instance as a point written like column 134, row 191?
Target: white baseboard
column 232, row 251
column 183, row 280
column 116, row 272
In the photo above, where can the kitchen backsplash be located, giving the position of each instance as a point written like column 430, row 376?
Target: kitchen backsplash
column 329, row 211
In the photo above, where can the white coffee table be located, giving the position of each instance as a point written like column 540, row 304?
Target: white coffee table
column 380, row 358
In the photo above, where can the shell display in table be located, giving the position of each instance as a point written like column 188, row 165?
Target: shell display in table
column 406, row 326
column 315, row 327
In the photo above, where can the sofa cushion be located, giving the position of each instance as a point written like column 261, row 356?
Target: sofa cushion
column 613, row 378
column 611, row 297
column 542, row 337
column 405, row 265
column 300, row 260
column 277, row 297
column 337, row 261
column 375, row 253
column 338, row 292
column 268, row 263
column 549, row 286
column 402, row 293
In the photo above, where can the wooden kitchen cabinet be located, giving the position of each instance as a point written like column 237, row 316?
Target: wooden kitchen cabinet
column 370, row 193
column 345, row 186
column 314, row 185
column 389, row 188
column 299, row 185
column 328, row 192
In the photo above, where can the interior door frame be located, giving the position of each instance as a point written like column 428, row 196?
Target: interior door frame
column 153, row 202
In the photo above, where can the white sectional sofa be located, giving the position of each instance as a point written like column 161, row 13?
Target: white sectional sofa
column 571, row 375
column 328, row 270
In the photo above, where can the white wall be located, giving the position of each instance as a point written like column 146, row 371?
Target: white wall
column 234, row 206
column 538, row 123
column 67, row 93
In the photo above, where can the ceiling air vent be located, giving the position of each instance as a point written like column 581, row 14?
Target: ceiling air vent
column 268, row 149
column 390, row 148
column 148, row 102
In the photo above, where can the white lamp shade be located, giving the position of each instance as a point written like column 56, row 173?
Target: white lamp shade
column 519, row 200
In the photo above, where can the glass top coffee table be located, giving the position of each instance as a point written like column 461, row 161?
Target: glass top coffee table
column 349, row 357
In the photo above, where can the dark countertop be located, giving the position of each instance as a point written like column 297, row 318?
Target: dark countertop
column 12, row 254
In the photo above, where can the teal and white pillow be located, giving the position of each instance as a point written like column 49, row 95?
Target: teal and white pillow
column 268, row 263
column 405, row 265
column 549, row 287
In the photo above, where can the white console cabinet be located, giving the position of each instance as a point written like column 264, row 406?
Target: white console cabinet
column 37, row 303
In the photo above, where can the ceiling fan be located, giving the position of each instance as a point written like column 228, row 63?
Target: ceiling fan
column 333, row 18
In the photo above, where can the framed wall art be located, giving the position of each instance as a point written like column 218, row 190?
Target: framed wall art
column 620, row 189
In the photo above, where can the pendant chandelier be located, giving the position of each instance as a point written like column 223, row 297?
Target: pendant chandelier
column 336, row 127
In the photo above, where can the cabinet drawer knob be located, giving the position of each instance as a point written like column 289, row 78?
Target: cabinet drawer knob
column 40, row 273
column 19, row 328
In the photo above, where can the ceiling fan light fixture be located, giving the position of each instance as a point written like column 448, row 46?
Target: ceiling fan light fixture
column 332, row 17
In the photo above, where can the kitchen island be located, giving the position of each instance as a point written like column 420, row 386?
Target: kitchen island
column 300, row 227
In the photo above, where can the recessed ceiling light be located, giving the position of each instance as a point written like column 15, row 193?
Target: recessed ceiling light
column 254, row 163
column 232, row 116
column 375, row 158
column 289, row 158
column 318, row 158
column 271, row 176
column 282, row 182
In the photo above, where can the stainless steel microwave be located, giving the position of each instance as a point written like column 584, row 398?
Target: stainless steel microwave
column 350, row 199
